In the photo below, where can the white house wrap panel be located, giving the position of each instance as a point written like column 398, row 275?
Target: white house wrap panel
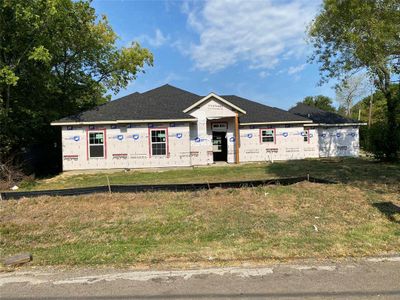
column 289, row 143
column 338, row 141
column 126, row 146
column 187, row 130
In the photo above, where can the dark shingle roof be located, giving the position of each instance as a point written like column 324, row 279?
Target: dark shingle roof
column 168, row 102
column 165, row 102
column 319, row 116
column 257, row 112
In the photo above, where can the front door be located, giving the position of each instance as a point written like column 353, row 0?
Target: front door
column 220, row 146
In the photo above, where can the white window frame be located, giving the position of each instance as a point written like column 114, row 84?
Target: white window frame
column 267, row 135
column 155, row 143
column 103, row 144
column 306, row 136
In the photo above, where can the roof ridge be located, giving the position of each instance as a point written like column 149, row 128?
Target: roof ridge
column 310, row 106
column 170, row 87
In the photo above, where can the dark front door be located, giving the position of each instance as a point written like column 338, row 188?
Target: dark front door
column 220, row 146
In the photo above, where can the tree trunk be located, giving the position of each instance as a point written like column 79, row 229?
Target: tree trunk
column 393, row 134
column 7, row 99
column 370, row 111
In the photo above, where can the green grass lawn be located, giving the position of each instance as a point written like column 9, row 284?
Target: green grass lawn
column 358, row 216
column 342, row 170
column 209, row 227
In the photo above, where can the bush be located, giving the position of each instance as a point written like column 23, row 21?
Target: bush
column 374, row 139
column 11, row 173
column 9, row 176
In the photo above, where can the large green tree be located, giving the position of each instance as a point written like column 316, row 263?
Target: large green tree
column 57, row 58
column 320, row 101
column 362, row 35
column 378, row 107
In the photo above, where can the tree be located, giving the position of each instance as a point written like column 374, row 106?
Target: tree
column 320, row 101
column 57, row 58
column 350, row 91
column 375, row 114
column 357, row 35
column 378, row 108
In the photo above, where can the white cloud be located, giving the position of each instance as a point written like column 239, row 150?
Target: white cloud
column 263, row 74
column 192, row 16
column 260, row 33
column 157, row 40
column 296, row 69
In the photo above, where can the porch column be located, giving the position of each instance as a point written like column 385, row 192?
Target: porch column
column 237, row 138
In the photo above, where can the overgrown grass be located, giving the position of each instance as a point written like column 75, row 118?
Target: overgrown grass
column 346, row 170
column 214, row 226
column 359, row 216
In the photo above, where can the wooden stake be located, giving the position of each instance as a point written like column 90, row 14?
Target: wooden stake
column 108, row 183
column 237, row 138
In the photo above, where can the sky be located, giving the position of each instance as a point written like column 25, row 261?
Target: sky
column 249, row 48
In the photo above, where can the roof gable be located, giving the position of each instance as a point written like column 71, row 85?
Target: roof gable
column 213, row 108
column 210, row 96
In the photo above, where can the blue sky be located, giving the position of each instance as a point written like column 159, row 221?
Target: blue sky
column 254, row 49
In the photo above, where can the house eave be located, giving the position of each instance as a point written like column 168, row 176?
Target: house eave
column 276, row 123
column 335, row 125
column 67, row 123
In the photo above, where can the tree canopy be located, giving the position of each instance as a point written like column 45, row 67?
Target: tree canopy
column 320, row 101
column 378, row 107
column 357, row 35
column 350, row 91
column 57, row 58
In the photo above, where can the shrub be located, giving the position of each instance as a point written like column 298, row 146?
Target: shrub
column 374, row 139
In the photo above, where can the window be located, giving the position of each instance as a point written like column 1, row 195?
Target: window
column 267, row 136
column 219, row 126
column 158, row 142
column 305, row 135
column 96, row 144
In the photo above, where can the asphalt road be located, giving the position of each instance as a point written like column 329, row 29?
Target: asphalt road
column 359, row 279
